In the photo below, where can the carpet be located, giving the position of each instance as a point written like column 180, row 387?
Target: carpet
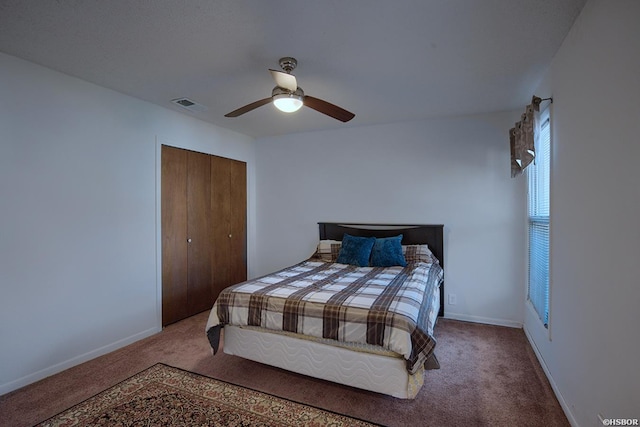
column 167, row 396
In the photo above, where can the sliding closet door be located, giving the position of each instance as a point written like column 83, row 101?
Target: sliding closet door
column 199, row 232
column 229, row 207
column 174, row 234
column 238, row 222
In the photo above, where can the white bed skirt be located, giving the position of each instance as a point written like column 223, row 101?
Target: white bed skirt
column 373, row 372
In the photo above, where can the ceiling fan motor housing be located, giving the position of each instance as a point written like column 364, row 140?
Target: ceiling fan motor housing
column 288, row 64
column 282, row 91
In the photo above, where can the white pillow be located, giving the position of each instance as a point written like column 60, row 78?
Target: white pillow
column 328, row 250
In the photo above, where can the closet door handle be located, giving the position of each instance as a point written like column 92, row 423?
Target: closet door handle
column 188, row 240
column 229, row 235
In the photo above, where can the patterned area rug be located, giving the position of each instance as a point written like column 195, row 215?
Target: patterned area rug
column 167, row 396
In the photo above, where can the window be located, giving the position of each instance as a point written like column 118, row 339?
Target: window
column 538, row 177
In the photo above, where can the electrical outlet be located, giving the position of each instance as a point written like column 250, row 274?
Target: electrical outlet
column 453, row 299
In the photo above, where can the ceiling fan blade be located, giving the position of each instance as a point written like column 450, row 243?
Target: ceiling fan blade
column 248, row 107
column 285, row 80
column 328, row 108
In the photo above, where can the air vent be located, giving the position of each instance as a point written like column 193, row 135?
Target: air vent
column 189, row 105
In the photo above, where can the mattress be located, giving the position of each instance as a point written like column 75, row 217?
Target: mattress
column 393, row 308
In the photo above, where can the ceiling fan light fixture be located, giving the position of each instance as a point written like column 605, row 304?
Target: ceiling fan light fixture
column 287, row 102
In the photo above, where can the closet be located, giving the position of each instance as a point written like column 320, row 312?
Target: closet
column 203, row 230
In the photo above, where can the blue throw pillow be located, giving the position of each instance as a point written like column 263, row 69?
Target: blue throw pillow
column 355, row 250
column 387, row 252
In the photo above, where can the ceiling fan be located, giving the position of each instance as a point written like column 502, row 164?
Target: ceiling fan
column 287, row 96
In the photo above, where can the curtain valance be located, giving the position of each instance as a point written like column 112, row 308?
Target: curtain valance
column 523, row 137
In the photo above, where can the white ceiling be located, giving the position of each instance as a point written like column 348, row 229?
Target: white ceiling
column 384, row 60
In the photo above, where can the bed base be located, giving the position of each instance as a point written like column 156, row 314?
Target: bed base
column 373, row 372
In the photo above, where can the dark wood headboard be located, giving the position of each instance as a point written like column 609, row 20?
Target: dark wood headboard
column 412, row 234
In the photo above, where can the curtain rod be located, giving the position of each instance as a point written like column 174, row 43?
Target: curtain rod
column 537, row 100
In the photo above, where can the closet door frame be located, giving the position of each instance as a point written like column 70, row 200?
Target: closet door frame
column 160, row 141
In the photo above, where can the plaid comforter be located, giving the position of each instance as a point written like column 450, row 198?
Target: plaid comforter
column 389, row 307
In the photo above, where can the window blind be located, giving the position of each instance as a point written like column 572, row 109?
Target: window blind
column 538, row 206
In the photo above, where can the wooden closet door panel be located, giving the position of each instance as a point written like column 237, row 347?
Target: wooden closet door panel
column 238, row 221
column 199, row 232
column 221, row 212
column 174, row 234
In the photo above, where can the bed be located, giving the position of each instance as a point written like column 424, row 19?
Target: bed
column 339, row 319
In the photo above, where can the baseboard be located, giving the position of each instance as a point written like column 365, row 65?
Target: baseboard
column 554, row 387
column 486, row 320
column 59, row 367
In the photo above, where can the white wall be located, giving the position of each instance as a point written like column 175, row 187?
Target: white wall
column 78, row 225
column 593, row 349
column 450, row 171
